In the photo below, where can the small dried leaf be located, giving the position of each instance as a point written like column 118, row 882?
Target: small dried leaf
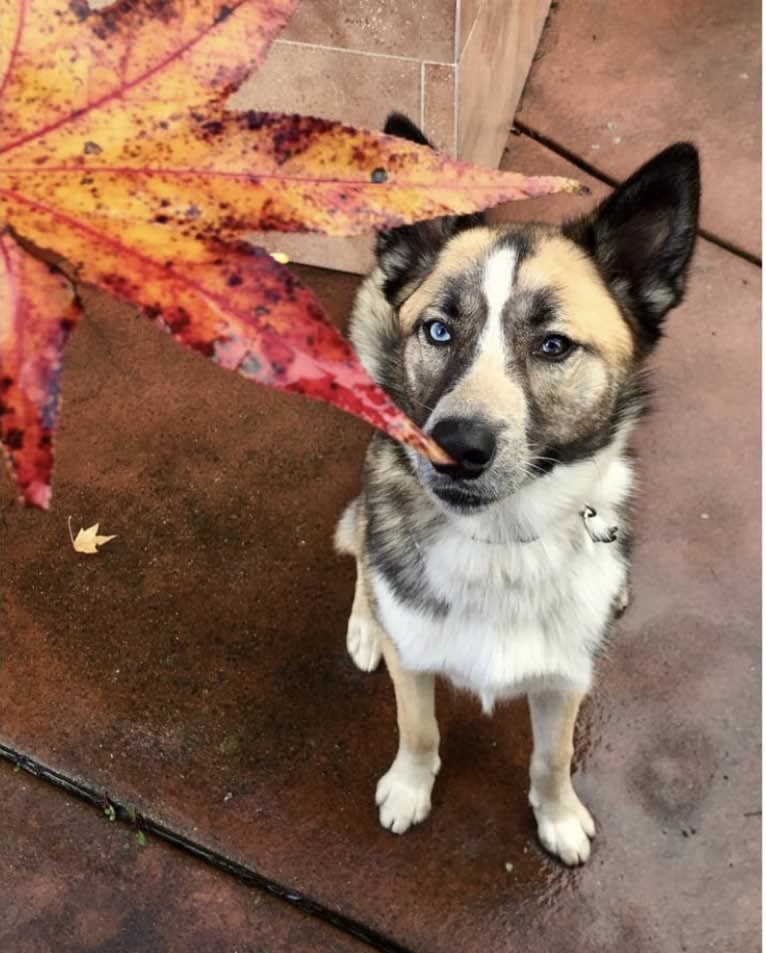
column 88, row 540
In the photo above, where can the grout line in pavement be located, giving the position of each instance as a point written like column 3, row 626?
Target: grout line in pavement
column 251, row 878
column 584, row 166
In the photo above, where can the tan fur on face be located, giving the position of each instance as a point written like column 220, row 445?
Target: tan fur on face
column 486, row 390
column 589, row 313
column 461, row 253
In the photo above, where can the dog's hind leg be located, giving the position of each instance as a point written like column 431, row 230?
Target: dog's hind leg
column 363, row 633
column 404, row 792
column 623, row 600
column 564, row 824
column 363, row 636
column 348, row 531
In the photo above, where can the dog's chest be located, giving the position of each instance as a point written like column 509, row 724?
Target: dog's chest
column 519, row 615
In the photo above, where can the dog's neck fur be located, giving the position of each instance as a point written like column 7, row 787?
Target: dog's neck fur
column 550, row 504
column 554, row 503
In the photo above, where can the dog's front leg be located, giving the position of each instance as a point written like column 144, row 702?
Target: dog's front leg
column 564, row 825
column 404, row 792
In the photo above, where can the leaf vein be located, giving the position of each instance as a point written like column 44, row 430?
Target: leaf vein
column 15, row 48
column 118, row 92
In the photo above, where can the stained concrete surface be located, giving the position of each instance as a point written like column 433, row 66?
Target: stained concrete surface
column 616, row 81
column 74, row 881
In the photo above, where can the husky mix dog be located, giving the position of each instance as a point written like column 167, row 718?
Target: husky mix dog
column 520, row 349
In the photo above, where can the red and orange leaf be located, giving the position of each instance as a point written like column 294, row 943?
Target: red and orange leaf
column 63, row 61
column 119, row 154
column 254, row 171
column 238, row 307
column 38, row 310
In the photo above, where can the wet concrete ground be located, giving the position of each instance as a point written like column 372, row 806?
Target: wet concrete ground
column 195, row 671
column 102, row 885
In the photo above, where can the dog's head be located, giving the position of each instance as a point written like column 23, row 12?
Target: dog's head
column 519, row 347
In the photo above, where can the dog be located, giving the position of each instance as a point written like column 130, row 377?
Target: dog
column 521, row 350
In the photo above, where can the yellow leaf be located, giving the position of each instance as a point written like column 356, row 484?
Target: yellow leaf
column 121, row 151
column 87, row 540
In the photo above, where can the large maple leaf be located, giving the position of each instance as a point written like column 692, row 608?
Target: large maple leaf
column 118, row 154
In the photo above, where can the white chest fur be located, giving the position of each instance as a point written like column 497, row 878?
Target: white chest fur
column 521, row 614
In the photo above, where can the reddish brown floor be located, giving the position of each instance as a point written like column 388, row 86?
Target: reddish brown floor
column 617, row 80
column 196, row 668
column 74, row 881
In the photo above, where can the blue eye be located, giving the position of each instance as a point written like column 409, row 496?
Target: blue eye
column 437, row 332
column 555, row 347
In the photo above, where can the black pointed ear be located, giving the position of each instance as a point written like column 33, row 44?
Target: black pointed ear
column 642, row 236
column 400, row 125
column 407, row 254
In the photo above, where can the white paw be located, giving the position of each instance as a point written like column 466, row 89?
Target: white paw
column 565, row 831
column 404, row 795
column 363, row 642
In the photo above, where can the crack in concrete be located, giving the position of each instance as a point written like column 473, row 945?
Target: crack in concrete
column 124, row 814
column 584, row 166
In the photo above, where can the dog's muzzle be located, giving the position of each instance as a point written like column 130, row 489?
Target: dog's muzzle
column 472, row 444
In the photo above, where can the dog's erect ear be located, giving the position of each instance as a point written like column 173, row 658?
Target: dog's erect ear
column 400, row 125
column 407, row 254
column 642, row 236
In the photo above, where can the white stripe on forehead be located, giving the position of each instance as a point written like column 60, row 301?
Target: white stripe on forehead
column 499, row 273
column 497, row 284
column 486, row 388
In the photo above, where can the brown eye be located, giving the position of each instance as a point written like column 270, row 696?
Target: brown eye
column 555, row 347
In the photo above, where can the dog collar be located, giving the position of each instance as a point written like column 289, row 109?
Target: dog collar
column 595, row 526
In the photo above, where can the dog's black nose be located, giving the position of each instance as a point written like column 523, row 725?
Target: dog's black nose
column 470, row 443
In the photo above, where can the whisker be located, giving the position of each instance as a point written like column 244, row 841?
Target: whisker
column 423, row 404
